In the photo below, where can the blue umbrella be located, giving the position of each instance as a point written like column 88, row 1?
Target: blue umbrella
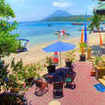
column 59, row 47
column 85, row 34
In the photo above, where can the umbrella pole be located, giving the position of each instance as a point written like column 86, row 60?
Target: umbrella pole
column 60, row 57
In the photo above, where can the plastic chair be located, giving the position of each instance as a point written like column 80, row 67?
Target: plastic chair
column 41, row 87
column 58, row 90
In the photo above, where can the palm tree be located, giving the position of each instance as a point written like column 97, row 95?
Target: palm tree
column 95, row 22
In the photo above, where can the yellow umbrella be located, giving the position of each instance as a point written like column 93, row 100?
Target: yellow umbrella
column 101, row 42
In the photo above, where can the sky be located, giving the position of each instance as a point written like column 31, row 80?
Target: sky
column 32, row 10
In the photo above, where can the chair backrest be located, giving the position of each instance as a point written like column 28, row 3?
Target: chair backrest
column 58, row 85
column 38, row 83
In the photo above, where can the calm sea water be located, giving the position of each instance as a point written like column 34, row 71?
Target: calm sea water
column 41, row 32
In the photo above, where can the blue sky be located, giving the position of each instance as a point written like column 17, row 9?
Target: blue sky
column 29, row 10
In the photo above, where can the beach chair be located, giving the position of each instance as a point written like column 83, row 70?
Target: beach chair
column 51, row 69
column 58, row 90
column 70, row 80
column 41, row 87
column 29, row 81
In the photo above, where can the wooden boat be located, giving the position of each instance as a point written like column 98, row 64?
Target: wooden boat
column 77, row 23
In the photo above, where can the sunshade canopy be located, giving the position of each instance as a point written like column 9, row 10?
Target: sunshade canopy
column 59, row 47
column 85, row 34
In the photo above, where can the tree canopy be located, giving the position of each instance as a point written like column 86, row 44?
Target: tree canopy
column 95, row 21
column 6, row 10
column 8, row 42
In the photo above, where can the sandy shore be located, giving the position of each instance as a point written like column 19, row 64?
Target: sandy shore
column 36, row 54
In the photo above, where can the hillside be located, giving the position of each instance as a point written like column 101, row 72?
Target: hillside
column 60, row 15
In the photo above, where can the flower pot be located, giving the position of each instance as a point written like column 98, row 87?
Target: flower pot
column 14, row 90
column 51, row 69
column 68, row 64
column 92, row 73
column 82, row 57
column 29, row 81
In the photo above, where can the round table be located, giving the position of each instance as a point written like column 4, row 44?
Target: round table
column 54, row 102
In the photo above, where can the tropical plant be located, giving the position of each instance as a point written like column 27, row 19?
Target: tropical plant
column 83, row 47
column 5, row 10
column 8, row 42
column 70, row 56
column 49, row 61
column 95, row 22
column 32, row 71
column 4, row 75
column 12, row 99
column 97, row 60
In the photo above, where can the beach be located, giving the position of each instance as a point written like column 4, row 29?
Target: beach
column 35, row 54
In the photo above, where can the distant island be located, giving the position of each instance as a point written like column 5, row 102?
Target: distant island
column 61, row 15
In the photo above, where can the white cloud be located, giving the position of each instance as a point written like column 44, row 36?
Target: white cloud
column 61, row 4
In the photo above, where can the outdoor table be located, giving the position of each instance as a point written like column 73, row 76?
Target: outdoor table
column 65, row 70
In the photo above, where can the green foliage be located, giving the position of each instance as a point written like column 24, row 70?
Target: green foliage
column 18, row 75
column 32, row 71
column 12, row 99
column 97, row 59
column 95, row 22
column 70, row 18
column 7, row 26
column 71, row 55
column 5, row 10
column 3, row 74
column 25, row 72
column 49, row 61
column 83, row 45
column 16, row 66
column 8, row 42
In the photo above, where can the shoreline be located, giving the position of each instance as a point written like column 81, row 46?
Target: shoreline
column 35, row 54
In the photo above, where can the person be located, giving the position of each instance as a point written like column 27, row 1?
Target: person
column 62, row 33
column 55, row 58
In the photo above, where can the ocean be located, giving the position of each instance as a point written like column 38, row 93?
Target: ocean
column 41, row 32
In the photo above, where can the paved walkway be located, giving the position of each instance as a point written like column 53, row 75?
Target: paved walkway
column 83, row 94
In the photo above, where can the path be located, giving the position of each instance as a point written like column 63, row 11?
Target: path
column 83, row 94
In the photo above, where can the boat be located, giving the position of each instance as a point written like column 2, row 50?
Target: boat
column 77, row 23
column 49, row 25
column 23, row 48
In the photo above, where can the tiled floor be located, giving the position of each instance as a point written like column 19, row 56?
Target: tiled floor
column 83, row 94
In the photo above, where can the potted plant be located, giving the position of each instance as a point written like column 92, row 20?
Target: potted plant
column 50, row 65
column 83, row 47
column 8, row 98
column 98, row 64
column 70, row 58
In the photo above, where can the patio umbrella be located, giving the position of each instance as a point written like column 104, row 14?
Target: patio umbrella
column 59, row 47
column 82, row 36
column 85, row 34
column 100, row 39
